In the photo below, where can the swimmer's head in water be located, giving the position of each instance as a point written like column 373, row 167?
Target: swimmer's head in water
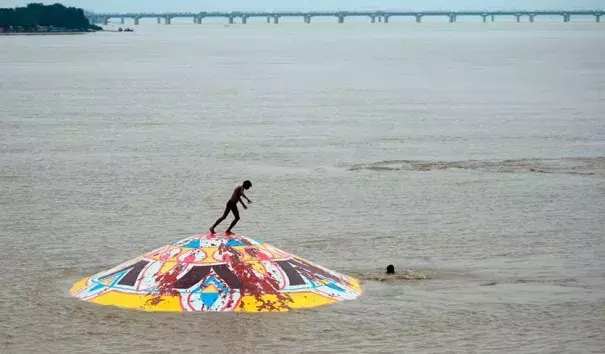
column 390, row 269
column 247, row 185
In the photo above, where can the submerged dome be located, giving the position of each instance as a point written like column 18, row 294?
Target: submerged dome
column 217, row 272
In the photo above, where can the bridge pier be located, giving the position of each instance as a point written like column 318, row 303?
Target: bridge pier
column 386, row 19
column 372, row 19
column 341, row 18
column 532, row 18
column 122, row 20
column 136, row 21
column 159, row 20
column 418, row 18
column 168, row 20
column 244, row 19
column 231, row 20
column 276, row 19
column 598, row 17
column 518, row 18
column 307, row 19
column 566, row 17
column 105, row 21
column 484, row 18
column 452, row 18
column 493, row 18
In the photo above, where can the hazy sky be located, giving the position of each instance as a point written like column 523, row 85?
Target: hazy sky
column 269, row 5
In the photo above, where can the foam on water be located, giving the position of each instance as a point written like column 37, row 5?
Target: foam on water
column 570, row 165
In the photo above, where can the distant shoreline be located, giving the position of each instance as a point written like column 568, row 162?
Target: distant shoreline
column 41, row 33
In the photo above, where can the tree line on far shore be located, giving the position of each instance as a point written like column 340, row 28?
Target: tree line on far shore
column 35, row 16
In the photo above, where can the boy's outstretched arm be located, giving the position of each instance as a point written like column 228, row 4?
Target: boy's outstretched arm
column 244, row 205
column 244, row 195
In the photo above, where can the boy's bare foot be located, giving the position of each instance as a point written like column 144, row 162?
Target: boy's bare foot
column 228, row 232
column 212, row 231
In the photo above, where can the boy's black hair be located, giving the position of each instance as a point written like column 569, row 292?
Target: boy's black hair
column 390, row 269
column 247, row 184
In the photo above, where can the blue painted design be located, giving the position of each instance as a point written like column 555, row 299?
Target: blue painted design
column 336, row 287
column 192, row 244
column 209, row 298
column 97, row 287
column 216, row 282
column 235, row 243
column 114, row 278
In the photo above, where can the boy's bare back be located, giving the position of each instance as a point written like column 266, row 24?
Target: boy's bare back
column 238, row 192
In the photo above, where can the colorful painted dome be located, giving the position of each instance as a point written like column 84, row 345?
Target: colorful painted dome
column 217, row 272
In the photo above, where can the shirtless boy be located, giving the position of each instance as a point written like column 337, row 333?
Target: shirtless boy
column 238, row 193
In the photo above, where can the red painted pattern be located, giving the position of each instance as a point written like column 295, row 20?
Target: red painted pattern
column 255, row 284
column 252, row 282
column 165, row 284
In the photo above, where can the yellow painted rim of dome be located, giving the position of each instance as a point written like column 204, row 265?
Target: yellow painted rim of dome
column 167, row 303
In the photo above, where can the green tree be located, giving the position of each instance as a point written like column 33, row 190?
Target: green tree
column 34, row 15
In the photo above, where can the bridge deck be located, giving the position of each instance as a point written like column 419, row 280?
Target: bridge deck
column 350, row 13
column 341, row 15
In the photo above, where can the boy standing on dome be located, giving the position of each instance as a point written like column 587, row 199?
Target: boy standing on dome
column 237, row 195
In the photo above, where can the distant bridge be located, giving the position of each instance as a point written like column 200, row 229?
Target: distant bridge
column 374, row 16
